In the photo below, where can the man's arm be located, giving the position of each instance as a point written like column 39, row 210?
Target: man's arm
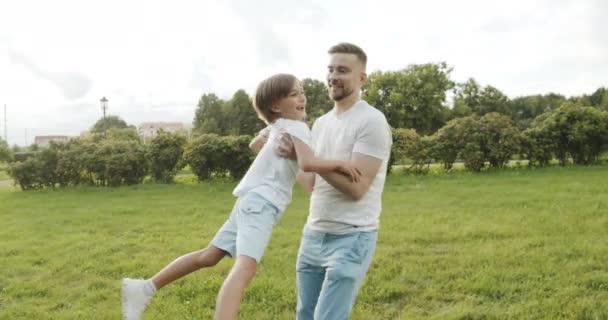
column 308, row 162
column 367, row 165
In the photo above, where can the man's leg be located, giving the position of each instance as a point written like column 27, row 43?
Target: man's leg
column 349, row 259
column 310, row 274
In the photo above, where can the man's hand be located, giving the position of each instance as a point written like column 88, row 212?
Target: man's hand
column 348, row 169
column 285, row 146
column 260, row 140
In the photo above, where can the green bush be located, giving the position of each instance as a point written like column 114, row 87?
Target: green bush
column 165, row 154
column 578, row 132
column 210, row 155
column 500, row 140
column 125, row 162
column 27, row 174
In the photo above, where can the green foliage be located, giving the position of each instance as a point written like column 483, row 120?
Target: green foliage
column 526, row 109
column 241, row 118
column 576, row 131
column 27, row 174
column 407, row 144
column 471, row 98
column 124, row 163
column 165, row 153
column 5, row 151
column 209, row 116
column 233, row 117
column 500, row 139
column 212, row 155
column 413, row 97
column 81, row 161
column 124, row 134
column 109, row 122
column 451, row 139
column 317, row 99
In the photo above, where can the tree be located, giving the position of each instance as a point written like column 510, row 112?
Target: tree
column 413, row 97
column 242, row 118
column 5, row 151
column 470, row 98
column 209, row 115
column 527, row 108
column 109, row 122
column 599, row 99
column 577, row 131
column 317, row 99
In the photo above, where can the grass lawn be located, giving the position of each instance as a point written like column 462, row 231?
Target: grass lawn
column 514, row 244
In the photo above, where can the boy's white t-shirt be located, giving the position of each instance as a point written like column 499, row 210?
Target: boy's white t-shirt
column 270, row 175
column 361, row 129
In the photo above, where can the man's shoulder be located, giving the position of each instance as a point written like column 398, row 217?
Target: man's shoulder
column 371, row 116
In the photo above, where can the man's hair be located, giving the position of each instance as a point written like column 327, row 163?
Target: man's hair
column 346, row 47
column 269, row 92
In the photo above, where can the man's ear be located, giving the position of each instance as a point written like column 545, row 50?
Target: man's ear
column 363, row 77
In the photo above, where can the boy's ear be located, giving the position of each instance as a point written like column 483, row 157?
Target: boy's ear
column 274, row 108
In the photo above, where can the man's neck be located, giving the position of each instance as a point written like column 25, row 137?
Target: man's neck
column 347, row 103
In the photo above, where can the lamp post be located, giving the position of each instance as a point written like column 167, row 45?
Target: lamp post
column 104, row 107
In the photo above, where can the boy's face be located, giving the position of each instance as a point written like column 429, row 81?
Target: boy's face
column 345, row 75
column 294, row 105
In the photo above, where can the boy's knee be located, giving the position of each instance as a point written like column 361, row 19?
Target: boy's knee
column 210, row 256
column 246, row 265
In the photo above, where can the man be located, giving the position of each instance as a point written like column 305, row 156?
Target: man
column 340, row 235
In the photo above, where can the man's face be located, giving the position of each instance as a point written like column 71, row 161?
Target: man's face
column 345, row 75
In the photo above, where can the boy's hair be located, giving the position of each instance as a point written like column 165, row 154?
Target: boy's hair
column 269, row 91
column 346, row 47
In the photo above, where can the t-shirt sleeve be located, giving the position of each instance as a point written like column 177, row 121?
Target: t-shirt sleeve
column 374, row 138
column 299, row 130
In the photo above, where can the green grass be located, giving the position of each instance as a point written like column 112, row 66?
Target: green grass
column 513, row 244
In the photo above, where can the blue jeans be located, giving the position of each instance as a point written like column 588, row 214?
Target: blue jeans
column 330, row 270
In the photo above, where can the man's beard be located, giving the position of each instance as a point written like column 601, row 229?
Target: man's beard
column 338, row 96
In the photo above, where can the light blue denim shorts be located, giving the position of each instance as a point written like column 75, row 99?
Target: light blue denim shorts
column 248, row 229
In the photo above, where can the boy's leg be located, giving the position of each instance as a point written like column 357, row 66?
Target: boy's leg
column 350, row 257
column 231, row 293
column 137, row 293
column 186, row 264
column 310, row 273
column 255, row 218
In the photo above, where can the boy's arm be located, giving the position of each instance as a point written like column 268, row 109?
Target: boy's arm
column 306, row 180
column 258, row 141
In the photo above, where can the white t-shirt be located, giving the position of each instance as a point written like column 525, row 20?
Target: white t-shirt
column 270, row 175
column 362, row 129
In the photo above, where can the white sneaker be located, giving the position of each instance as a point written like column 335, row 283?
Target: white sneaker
column 134, row 298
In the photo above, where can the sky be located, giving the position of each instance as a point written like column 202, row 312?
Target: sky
column 154, row 59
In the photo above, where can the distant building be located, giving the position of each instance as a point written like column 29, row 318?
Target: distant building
column 43, row 141
column 149, row 130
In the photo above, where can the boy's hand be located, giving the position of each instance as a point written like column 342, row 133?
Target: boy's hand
column 350, row 170
column 285, row 146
